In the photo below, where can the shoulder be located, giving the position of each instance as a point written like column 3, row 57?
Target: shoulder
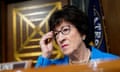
column 97, row 54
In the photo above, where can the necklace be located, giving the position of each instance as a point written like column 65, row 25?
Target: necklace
column 84, row 60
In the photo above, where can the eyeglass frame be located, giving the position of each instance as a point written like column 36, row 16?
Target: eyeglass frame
column 62, row 31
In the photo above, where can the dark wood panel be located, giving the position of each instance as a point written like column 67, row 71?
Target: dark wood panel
column 14, row 47
column 112, row 21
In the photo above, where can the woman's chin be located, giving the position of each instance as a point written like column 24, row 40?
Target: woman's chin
column 66, row 53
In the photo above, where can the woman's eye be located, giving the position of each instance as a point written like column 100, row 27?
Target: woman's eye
column 66, row 29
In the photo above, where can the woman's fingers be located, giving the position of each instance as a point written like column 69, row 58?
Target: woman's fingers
column 46, row 44
column 49, row 35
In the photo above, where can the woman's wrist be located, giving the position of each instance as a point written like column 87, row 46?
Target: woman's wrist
column 46, row 55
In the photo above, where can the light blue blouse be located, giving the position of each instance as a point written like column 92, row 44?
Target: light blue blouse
column 95, row 54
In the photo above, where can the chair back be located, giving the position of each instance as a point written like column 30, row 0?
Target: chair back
column 15, row 65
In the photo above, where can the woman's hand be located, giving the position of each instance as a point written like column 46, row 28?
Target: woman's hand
column 46, row 44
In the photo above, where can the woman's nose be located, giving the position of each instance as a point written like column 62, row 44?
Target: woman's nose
column 60, row 38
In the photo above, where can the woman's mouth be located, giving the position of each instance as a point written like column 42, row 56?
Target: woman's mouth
column 65, row 45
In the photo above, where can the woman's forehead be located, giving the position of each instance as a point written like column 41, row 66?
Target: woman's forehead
column 62, row 24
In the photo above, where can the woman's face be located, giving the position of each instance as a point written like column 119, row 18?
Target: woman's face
column 68, row 37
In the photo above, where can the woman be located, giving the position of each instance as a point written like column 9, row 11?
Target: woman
column 70, row 29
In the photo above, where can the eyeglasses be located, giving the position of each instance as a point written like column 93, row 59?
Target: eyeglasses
column 64, row 30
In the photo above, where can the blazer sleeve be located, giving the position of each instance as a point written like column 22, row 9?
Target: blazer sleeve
column 42, row 62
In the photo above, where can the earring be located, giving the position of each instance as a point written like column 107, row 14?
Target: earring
column 83, row 38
